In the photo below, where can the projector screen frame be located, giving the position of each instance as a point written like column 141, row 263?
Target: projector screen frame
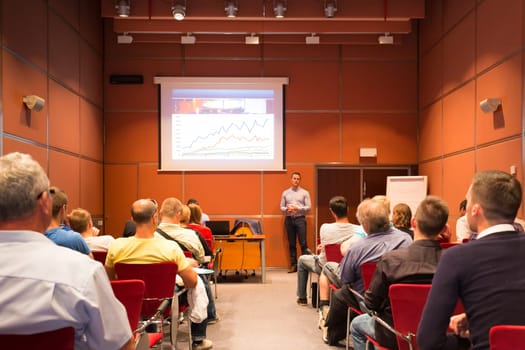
column 264, row 93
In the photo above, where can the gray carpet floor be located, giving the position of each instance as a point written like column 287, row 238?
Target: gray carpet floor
column 258, row 316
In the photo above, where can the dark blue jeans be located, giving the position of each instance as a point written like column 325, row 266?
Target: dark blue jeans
column 296, row 229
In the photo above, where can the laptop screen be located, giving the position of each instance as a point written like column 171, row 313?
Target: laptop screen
column 219, row 227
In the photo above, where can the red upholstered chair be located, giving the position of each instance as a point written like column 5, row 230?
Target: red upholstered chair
column 407, row 301
column 100, row 256
column 131, row 294
column 445, row 245
column 367, row 272
column 58, row 339
column 333, row 252
column 505, row 337
column 159, row 279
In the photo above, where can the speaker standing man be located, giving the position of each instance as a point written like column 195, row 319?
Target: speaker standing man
column 295, row 203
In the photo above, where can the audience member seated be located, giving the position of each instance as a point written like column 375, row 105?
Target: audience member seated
column 144, row 247
column 57, row 232
column 170, row 214
column 330, row 233
column 195, row 224
column 402, row 217
column 45, row 286
column 416, row 263
column 463, row 230
column 381, row 238
column 486, row 275
column 204, row 217
column 80, row 221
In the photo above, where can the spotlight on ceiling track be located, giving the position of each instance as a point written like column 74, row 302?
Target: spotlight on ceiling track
column 386, row 39
column 188, row 39
column 330, row 8
column 279, row 9
column 252, row 39
column 231, row 9
column 123, row 8
column 178, row 11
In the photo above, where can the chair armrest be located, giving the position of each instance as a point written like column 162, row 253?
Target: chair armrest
column 406, row 337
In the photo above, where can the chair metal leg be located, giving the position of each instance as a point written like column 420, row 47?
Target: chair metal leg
column 348, row 328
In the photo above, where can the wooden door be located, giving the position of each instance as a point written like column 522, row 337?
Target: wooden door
column 354, row 183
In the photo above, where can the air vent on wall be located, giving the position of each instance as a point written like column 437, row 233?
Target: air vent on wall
column 126, row 79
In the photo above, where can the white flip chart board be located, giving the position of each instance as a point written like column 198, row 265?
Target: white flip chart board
column 410, row 190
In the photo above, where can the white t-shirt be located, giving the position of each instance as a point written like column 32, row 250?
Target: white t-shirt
column 99, row 242
column 462, row 229
column 336, row 233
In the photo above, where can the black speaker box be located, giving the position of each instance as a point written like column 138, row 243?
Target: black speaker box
column 126, row 79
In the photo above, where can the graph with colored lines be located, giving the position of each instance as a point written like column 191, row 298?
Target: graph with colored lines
column 220, row 136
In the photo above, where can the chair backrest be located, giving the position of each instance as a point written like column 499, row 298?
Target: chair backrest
column 407, row 301
column 58, row 339
column 505, row 337
column 333, row 252
column 159, row 279
column 367, row 272
column 100, row 255
column 130, row 293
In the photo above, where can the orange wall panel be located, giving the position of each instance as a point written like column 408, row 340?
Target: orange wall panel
column 19, row 80
column 64, row 109
column 91, row 131
column 459, row 109
column 226, row 194
column 131, row 136
column 431, row 28
column 431, row 75
column 454, row 11
column 393, row 135
column 25, row 33
column 199, row 67
column 459, row 54
column 499, row 31
column 431, row 132
column 64, row 173
column 91, row 25
column 158, row 185
column 505, row 82
column 91, row 188
column 67, row 9
column 38, row 153
column 120, row 191
column 64, row 52
column 91, row 74
column 312, row 138
column 457, row 182
column 434, row 172
column 501, row 156
column 383, row 85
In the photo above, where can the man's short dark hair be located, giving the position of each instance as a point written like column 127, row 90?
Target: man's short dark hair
column 463, row 205
column 431, row 216
column 498, row 193
column 339, row 206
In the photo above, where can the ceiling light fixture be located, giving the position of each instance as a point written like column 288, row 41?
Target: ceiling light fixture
column 386, row 39
column 178, row 11
column 123, row 8
column 188, row 39
column 231, row 9
column 252, row 39
column 312, row 39
column 330, row 8
column 279, row 9
column 124, row 39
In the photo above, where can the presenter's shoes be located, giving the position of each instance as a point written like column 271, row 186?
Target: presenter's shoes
column 204, row 344
column 215, row 320
column 292, row 269
column 302, row 301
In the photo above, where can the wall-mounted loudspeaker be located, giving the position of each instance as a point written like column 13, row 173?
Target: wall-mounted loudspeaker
column 126, row 79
